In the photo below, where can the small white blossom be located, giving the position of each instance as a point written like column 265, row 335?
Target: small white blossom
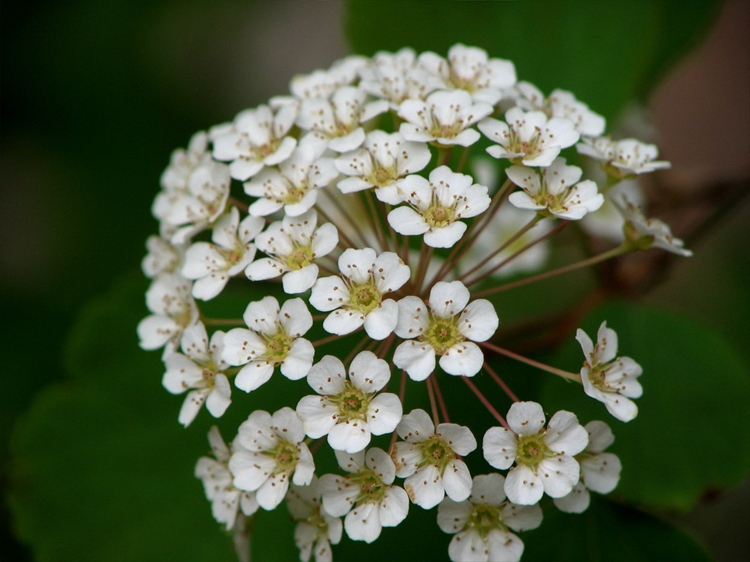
column 292, row 246
column 436, row 206
column 273, row 453
column 448, row 327
column 316, row 530
column 560, row 103
column 600, row 471
column 349, row 410
column 335, row 123
column 199, row 367
column 173, row 308
column 273, row 340
column 429, row 459
column 197, row 197
column 554, row 190
column 445, row 118
column 481, row 524
column 544, row 458
column 528, row 138
column 644, row 233
column 293, row 186
column 382, row 162
column 610, row 379
column 226, row 500
column 470, row 69
column 257, row 138
column 397, row 77
column 623, row 158
column 211, row 265
column 366, row 495
column 356, row 299
column 162, row 257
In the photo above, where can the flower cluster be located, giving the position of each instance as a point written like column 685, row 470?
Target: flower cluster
column 369, row 231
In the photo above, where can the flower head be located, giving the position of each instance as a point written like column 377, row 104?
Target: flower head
column 436, row 207
column 554, row 190
column 448, row 327
column 481, row 524
column 610, row 379
column 356, row 298
column 273, row 453
column 429, row 459
column 643, row 233
column 272, row 340
column 366, row 495
column 544, row 458
column 623, row 158
column 528, row 138
column 349, row 410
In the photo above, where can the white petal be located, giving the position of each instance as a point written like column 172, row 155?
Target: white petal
column 394, row 507
column 478, row 321
column 327, row 376
column 299, row 280
column 338, row 494
column 190, row 407
column 559, row 475
column 425, row 487
column 457, row 481
column 463, row 359
column 522, row 517
column 363, row 523
column 343, row 321
column 384, row 413
column 351, row 436
column 407, row 221
column 368, row 373
column 468, row 546
column 448, row 299
column 416, row 358
column 577, row 501
column 318, row 415
column 452, row 517
column 446, row 236
column 526, row 418
column 488, row 489
column 565, row 435
column 601, row 473
column 499, row 447
column 504, row 546
column 272, row 491
column 523, row 487
column 299, row 360
column 253, row 375
column 416, row 426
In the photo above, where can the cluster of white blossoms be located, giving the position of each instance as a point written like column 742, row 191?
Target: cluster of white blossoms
column 359, row 212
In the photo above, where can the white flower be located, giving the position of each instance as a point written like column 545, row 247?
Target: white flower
column 162, row 257
column 356, row 299
column 366, row 495
column 316, row 530
column 197, row 202
column 610, row 379
column 349, row 410
column 182, row 164
column 226, row 500
column 449, row 328
column 437, row 206
column 273, row 453
column 555, row 190
column 544, row 458
column 481, row 523
column 273, row 340
column 445, row 118
column 211, row 265
column 294, row 186
column 173, row 309
column 257, row 138
column 624, row 157
column 292, row 246
column 382, row 162
column 397, row 77
column 561, row 103
column 469, row 68
column 600, row 471
column 644, row 233
column 199, row 367
column 335, row 123
column 528, row 138
column 428, row 459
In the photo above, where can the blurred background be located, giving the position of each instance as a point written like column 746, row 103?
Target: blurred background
column 96, row 95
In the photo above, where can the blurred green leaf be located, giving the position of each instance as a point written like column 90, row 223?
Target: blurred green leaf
column 607, row 53
column 607, row 531
column 101, row 468
column 692, row 433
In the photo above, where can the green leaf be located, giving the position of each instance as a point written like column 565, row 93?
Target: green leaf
column 102, row 470
column 607, row 531
column 607, row 53
column 692, row 433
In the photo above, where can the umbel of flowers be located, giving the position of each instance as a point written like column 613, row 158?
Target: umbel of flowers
column 362, row 200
